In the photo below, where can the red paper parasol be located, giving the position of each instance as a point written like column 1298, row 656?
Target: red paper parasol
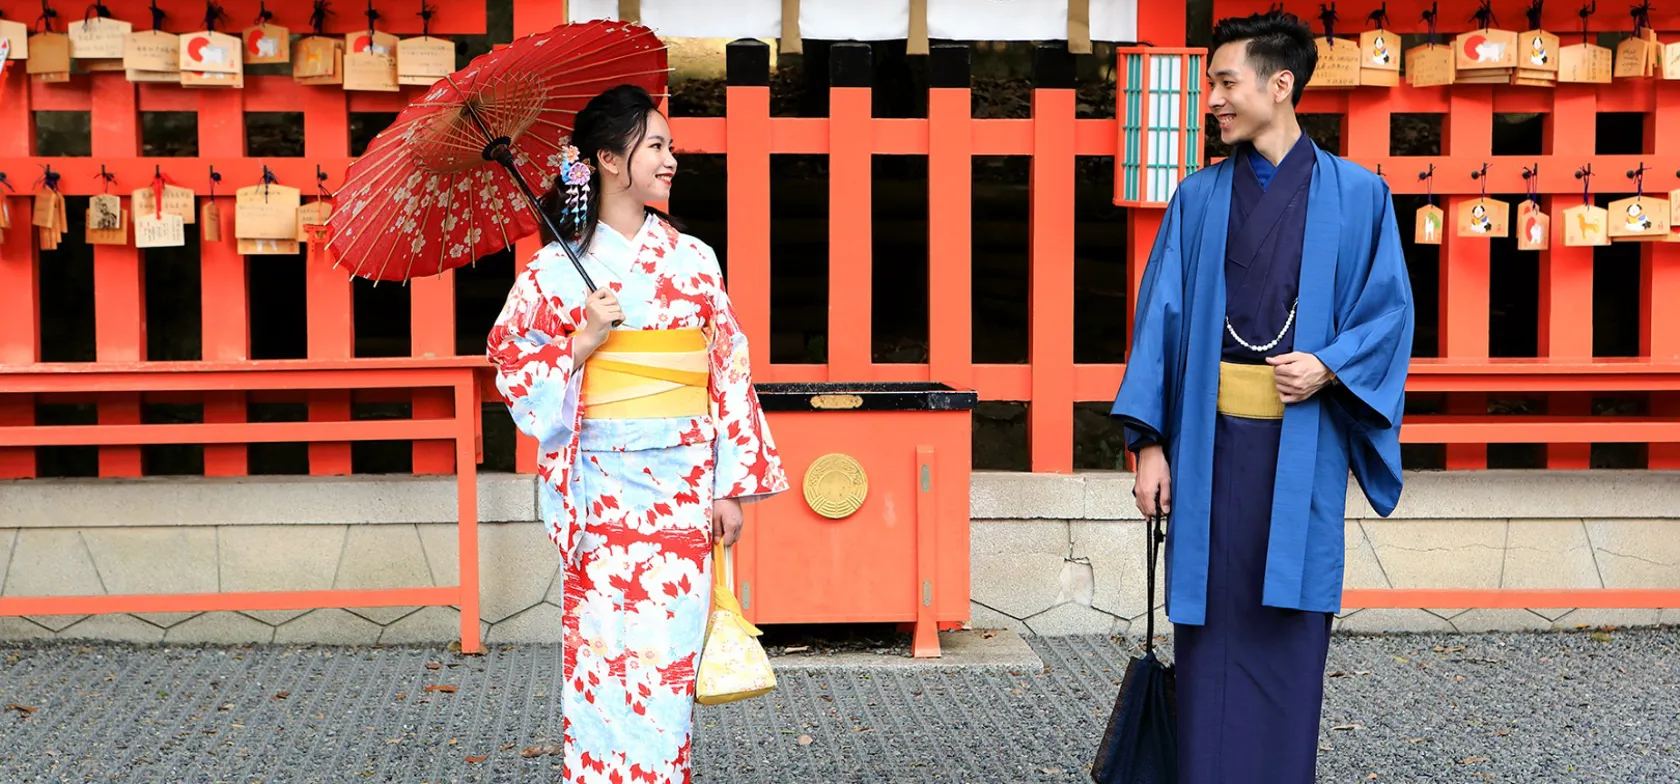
column 451, row 179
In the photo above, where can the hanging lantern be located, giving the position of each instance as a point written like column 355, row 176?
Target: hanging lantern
column 1160, row 107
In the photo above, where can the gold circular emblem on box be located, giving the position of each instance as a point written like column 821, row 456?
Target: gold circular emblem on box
column 835, row 486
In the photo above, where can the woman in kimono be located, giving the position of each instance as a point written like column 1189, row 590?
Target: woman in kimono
column 650, row 437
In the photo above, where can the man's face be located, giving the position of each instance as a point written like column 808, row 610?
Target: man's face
column 1241, row 101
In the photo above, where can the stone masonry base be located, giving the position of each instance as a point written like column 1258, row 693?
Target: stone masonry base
column 1051, row 554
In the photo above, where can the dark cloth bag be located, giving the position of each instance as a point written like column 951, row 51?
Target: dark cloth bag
column 1140, row 745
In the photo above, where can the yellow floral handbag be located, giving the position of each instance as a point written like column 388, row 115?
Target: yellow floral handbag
column 733, row 665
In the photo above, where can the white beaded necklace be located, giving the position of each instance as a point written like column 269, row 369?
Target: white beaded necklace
column 1275, row 341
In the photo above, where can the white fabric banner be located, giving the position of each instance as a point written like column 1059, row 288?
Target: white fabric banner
column 872, row 20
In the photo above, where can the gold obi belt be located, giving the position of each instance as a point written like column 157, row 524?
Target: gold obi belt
column 1248, row 391
column 648, row 374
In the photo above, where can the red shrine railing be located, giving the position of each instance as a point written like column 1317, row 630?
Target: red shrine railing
column 1051, row 383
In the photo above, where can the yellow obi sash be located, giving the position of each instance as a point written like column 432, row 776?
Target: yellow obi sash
column 648, row 374
column 1248, row 391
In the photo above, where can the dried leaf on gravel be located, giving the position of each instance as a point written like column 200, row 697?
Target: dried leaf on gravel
column 1345, row 727
column 23, row 709
column 806, row 740
column 433, row 666
column 280, row 695
column 443, row 687
column 1599, row 637
column 475, row 759
column 1472, row 760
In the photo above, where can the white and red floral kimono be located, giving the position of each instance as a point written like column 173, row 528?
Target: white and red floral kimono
column 629, row 500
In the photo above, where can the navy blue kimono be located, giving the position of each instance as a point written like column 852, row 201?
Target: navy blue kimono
column 1255, row 543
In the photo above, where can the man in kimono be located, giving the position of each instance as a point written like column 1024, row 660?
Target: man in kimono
column 1269, row 357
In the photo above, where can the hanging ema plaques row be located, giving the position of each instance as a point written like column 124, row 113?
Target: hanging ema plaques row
column 1534, row 58
column 269, row 219
column 1642, row 218
column 365, row 60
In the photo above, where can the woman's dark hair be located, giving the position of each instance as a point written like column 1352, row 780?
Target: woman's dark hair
column 614, row 121
column 1277, row 41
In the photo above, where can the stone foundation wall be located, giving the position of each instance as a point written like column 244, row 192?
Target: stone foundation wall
column 1050, row 554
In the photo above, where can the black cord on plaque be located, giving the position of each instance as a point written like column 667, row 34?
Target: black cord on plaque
column 318, row 17
column 1584, row 174
column 44, row 23
column 1379, row 17
column 1428, row 178
column 1586, row 11
column 1481, row 175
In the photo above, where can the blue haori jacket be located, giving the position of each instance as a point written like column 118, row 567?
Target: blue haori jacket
column 1355, row 315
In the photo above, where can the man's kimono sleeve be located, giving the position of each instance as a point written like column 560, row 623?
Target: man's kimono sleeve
column 531, row 347
column 1142, row 402
column 1370, row 357
column 747, row 466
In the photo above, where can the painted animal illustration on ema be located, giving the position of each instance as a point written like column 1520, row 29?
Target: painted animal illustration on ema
column 366, row 43
column 1585, row 224
column 202, row 51
column 1431, row 225
column 1481, row 49
column 1536, row 230
column 1479, row 220
column 1637, row 220
column 1537, row 51
column 264, row 45
column 1379, row 51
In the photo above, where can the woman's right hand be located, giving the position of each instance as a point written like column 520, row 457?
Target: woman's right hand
column 600, row 310
column 1154, row 482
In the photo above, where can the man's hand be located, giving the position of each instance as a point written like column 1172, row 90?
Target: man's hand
column 1154, row 482
column 726, row 520
column 1299, row 375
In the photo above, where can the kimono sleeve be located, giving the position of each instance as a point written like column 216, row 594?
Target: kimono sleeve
column 1370, row 357
column 531, row 347
column 747, row 466
column 1141, row 404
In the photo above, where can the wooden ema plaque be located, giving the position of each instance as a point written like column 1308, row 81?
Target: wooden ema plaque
column 1534, row 228
column 318, row 61
column 1584, row 225
column 1537, row 59
column 153, row 56
column 1338, row 65
column 1429, row 65
column 49, row 58
column 16, row 35
column 1639, row 219
column 423, row 60
column 1484, row 217
column 1485, row 57
column 266, row 212
column 1584, row 64
column 211, row 59
column 1637, row 56
column 107, row 221
column 1431, row 225
column 370, row 62
column 99, row 40
column 1379, row 58
column 267, row 43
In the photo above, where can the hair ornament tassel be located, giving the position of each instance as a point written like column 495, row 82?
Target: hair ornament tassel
column 575, row 174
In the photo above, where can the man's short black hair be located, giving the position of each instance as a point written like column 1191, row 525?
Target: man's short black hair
column 1277, row 41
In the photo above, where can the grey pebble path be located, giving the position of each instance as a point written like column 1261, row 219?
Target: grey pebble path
column 1522, row 708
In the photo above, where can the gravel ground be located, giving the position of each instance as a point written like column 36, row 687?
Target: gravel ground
column 1530, row 708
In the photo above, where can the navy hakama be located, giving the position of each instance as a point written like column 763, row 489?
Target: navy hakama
column 1251, row 677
